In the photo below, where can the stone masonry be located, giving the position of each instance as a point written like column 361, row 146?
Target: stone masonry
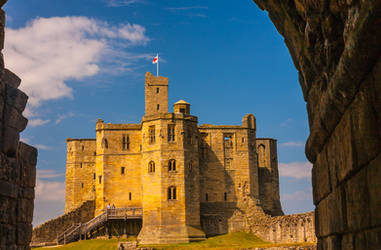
column 18, row 161
column 190, row 180
column 335, row 46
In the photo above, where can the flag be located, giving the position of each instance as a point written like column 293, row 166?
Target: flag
column 156, row 59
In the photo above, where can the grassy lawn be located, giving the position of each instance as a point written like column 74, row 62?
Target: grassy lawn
column 228, row 241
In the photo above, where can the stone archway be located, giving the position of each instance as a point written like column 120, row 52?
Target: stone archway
column 335, row 46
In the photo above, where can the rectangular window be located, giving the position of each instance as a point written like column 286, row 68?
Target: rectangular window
column 81, row 185
column 129, row 196
column 95, row 176
column 158, row 107
column 171, row 132
column 128, row 142
column 225, row 196
column 100, row 179
column 81, row 164
column 152, row 134
column 206, row 197
column 122, row 170
column 157, row 90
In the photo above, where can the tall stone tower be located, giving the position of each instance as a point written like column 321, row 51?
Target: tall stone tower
column 156, row 94
column 268, row 176
column 170, row 172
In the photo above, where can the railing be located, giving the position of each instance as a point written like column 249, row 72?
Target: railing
column 70, row 234
column 76, row 230
column 124, row 213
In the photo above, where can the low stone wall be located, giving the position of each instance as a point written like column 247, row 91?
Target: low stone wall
column 285, row 229
column 48, row 231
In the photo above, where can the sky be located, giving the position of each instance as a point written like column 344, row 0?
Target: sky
column 84, row 60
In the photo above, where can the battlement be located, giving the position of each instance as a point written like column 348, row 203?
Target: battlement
column 152, row 80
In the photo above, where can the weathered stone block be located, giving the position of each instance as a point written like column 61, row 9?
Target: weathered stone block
column 330, row 214
column 342, row 138
column 14, row 118
column 10, row 78
column 11, row 141
column 16, row 98
column 8, row 189
column 374, row 188
column 27, row 158
column 320, row 177
column 25, row 210
column 347, row 242
column 366, row 140
column 27, row 193
column 7, row 210
column 24, row 233
column 357, row 201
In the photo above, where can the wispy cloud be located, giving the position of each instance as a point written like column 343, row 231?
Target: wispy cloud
column 48, row 52
column 298, row 170
column 292, row 144
column 187, row 8
column 50, row 197
column 120, row 3
column 37, row 122
column 190, row 11
column 42, row 147
column 62, row 117
column 48, row 174
column 287, row 122
column 300, row 195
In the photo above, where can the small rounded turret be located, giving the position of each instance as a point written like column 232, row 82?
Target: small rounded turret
column 181, row 107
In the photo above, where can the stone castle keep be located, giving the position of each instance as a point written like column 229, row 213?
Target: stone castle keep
column 187, row 178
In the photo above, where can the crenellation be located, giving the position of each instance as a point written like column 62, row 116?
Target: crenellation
column 190, row 180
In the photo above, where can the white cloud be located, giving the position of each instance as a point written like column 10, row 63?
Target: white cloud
column 119, row 3
column 298, row 170
column 187, row 8
column 50, row 197
column 62, row 117
column 42, row 147
column 37, row 122
column 300, row 195
column 287, row 122
column 292, row 144
column 48, row 173
column 48, row 52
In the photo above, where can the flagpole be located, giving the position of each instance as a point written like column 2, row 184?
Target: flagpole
column 157, row 65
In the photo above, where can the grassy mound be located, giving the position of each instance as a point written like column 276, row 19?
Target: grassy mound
column 227, row 241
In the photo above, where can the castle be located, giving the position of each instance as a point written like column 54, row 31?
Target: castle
column 188, row 179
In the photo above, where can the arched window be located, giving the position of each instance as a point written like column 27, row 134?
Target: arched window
column 172, row 193
column 104, row 143
column 262, row 155
column 151, row 167
column 172, row 165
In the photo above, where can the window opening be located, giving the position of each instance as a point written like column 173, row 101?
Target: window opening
column 171, row 132
column 172, row 165
column 151, row 167
column 122, row 170
column 100, row 179
column 129, row 196
column 172, row 193
column 152, row 134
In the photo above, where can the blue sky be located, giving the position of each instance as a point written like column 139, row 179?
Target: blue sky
column 84, row 60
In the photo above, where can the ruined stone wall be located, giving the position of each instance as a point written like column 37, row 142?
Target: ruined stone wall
column 268, row 176
column 18, row 161
column 335, row 46
column 80, row 172
column 48, row 231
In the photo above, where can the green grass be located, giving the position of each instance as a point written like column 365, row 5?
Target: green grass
column 110, row 244
column 227, row 241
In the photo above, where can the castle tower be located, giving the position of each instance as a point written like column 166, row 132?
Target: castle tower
column 156, row 94
column 80, row 172
column 169, row 169
column 268, row 176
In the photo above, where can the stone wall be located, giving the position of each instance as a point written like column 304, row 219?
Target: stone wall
column 335, row 46
column 18, row 161
column 48, row 231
